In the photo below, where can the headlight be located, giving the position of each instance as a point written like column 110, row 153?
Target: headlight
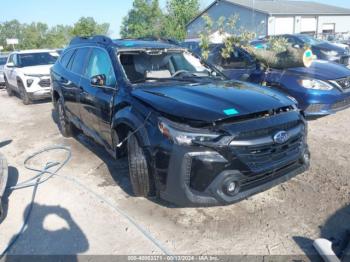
column 330, row 53
column 315, row 84
column 183, row 134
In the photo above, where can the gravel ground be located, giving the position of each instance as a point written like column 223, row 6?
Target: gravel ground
column 69, row 220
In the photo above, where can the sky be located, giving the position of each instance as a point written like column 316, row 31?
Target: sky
column 69, row 11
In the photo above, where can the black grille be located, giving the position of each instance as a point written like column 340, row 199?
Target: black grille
column 341, row 104
column 45, row 83
column 267, row 131
column 270, row 156
column 344, row 83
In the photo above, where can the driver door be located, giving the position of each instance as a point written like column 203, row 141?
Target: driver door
column 96, row 101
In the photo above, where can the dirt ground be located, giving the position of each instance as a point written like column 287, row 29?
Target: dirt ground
column 69, row 220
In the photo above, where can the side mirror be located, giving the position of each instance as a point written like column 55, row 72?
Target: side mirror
column 10, row 65
column 98, row 80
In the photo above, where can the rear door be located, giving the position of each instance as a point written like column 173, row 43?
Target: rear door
column 97, row 101
column 70, row 82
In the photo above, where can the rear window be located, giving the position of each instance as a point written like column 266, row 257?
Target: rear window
column 66, row 58
column 36, row 59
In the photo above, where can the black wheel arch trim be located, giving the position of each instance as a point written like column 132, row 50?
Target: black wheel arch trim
column 128, row 117
column 18, row 79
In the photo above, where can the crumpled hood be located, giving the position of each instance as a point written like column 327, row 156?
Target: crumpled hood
column 211, row 102
column 323, row 70
column 36, row 70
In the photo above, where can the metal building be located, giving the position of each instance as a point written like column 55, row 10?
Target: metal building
column 274, row 17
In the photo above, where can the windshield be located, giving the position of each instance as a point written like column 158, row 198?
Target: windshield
column 3, row 60
column 163, row 65
column 310, row 40
column 36, row 59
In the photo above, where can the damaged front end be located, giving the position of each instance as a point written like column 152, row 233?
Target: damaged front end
column 3, row 180
column 230, row 159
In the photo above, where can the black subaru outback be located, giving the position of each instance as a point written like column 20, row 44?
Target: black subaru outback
column 191, row 136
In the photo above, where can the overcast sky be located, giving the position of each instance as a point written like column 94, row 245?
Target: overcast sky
column 69, row 11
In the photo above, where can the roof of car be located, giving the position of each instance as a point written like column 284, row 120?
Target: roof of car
column 33, row 51
column 139, row 43
column 131, row 43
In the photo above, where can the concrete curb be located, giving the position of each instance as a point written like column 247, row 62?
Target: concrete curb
column 3, row 178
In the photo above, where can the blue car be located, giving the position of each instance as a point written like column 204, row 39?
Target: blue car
column 322, row 49
column 322, row 89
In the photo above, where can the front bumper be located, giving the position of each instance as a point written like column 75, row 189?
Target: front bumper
column 326, row 104
column 179, row 189
column 40, row 88
column 40, row 94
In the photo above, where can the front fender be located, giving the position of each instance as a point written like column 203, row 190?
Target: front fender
column 135, row 121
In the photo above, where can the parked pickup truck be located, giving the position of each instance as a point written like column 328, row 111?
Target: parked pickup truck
column 191, row 136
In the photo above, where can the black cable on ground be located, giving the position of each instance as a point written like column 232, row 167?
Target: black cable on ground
column 45, row 174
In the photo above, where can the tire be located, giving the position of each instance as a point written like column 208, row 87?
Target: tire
column 8, row 88
column 138, row 168
column 65, row 126
column 23, row 94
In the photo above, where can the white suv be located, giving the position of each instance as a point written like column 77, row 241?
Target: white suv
column 28, row 74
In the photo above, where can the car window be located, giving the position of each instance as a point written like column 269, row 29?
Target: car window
column 181, row 62
column 310, row 40
column 237, row 60
column 10, row 59
column 77, row 63
column 165, row 64
column 35, row 59
column 100, row 64
column 290, row 40
column 66, row 58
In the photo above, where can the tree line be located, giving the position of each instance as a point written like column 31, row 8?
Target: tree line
column 40, row 35
column 146, row 19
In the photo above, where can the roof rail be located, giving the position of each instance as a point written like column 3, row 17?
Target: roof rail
column 101, row 39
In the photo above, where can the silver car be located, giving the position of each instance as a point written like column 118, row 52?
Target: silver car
column 3, row 60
